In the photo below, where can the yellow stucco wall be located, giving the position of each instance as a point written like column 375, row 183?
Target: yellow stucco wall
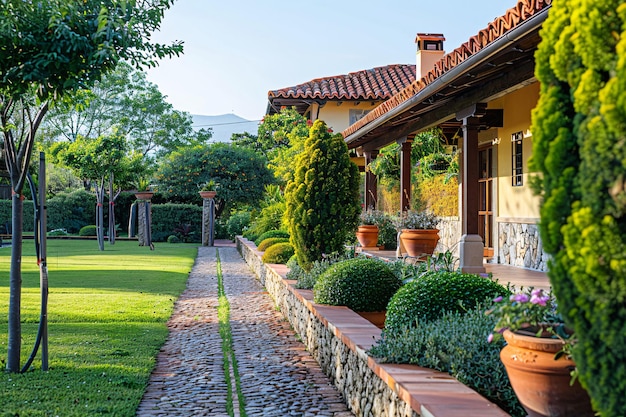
column 337, row 116
column 517, row 202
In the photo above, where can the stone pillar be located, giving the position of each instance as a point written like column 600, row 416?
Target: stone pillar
column 144, row 222
column 471, row 245
column 208, row 221
column 371, row 182
column 405, row 173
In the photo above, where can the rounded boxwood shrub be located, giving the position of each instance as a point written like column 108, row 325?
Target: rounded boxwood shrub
column 173, row 239
column 266, row 243
column 360, row 284
column 278, row 253
column 436, row 292
column 89, row 230
column 271, row 233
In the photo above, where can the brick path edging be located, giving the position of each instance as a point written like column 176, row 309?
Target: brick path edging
column 338, row 339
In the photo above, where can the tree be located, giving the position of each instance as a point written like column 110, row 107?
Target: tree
column 126, row 101
column 323, row 205
column 101, row 161
column 280, row 138
column 240, row 173
column 578, row 149
column 49, row 48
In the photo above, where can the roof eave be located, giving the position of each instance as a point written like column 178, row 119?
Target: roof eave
column 484, row 54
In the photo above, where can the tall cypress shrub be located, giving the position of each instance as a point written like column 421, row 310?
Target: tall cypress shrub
column 579, row 149
column 323, row 198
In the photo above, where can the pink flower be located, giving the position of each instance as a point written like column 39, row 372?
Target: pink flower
column 497, row 299
column 490, row 338
column 522, row 298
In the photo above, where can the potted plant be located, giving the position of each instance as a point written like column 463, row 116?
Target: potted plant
column 537, row 356
column 418, row 232
column 209, row 189
column 144, row 189
column 367, row 231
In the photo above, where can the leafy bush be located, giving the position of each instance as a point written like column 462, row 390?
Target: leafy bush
column 89, row 230
column 173, row 239
column 237, row 223
column 166, row 218
column 307, row 279
column 71, row 211
column 270, row 218
column 387, row 232
column 579, row 153
column 271, row 233
column 361, row 284
column 455, row 343
column 278, row 253
column 429, row 296
column 58, row 232
column 266, row 243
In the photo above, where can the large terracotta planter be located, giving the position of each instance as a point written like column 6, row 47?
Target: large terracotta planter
column 208, row 194
column 367, row 235
column 541, row 383
column 144, row 195
column 419, row 242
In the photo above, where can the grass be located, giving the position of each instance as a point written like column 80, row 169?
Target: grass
column 231, row 371
column 106, row 312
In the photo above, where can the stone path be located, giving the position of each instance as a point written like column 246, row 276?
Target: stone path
column 278, row 376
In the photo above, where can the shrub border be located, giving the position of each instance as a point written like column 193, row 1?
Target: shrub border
column 368, row 387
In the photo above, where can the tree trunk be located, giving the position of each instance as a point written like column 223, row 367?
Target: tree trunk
column 111, row 211
column 15, row 286
column 100, row 214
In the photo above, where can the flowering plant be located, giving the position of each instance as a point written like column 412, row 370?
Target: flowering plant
column 417, row 220
column 532, row 311
column 371, row 216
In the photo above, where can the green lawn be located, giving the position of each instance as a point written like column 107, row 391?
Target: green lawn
column 107, row 313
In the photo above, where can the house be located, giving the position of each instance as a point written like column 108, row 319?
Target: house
column 343, row 99
column 480, row 94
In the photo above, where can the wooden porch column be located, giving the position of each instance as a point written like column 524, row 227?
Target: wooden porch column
column 405, row 172
column 371, row 182
column 471, row 246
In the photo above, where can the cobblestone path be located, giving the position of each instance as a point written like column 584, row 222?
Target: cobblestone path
column 278, row 376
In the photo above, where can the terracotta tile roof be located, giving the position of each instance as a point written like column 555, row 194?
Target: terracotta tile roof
column 379, row 83
column 524, row 10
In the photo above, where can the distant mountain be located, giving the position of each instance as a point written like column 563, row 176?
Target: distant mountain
column 223, row 126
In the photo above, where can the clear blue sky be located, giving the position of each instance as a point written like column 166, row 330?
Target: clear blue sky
column 238, row 50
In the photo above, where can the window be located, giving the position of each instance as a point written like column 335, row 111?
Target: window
column 517, row 159
column 356, row 114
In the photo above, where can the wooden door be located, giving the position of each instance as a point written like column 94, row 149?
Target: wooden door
column 485, row 186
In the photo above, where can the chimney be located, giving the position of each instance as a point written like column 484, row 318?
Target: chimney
column 429, row 51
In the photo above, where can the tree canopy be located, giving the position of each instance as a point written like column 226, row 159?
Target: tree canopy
column 241, row 174
column 126, row 101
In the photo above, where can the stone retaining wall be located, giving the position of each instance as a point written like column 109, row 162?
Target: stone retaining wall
column 369, row 388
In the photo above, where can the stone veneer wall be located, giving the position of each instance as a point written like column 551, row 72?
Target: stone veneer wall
column 449, row 235
column 520, row 245
column 369, row 389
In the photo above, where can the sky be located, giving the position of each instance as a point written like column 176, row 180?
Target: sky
column 238, row 50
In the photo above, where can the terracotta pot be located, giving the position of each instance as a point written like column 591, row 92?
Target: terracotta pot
column 367, row 235
column 144, row 195
column 541, row 383
column 419, row 242
column 208, row 194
